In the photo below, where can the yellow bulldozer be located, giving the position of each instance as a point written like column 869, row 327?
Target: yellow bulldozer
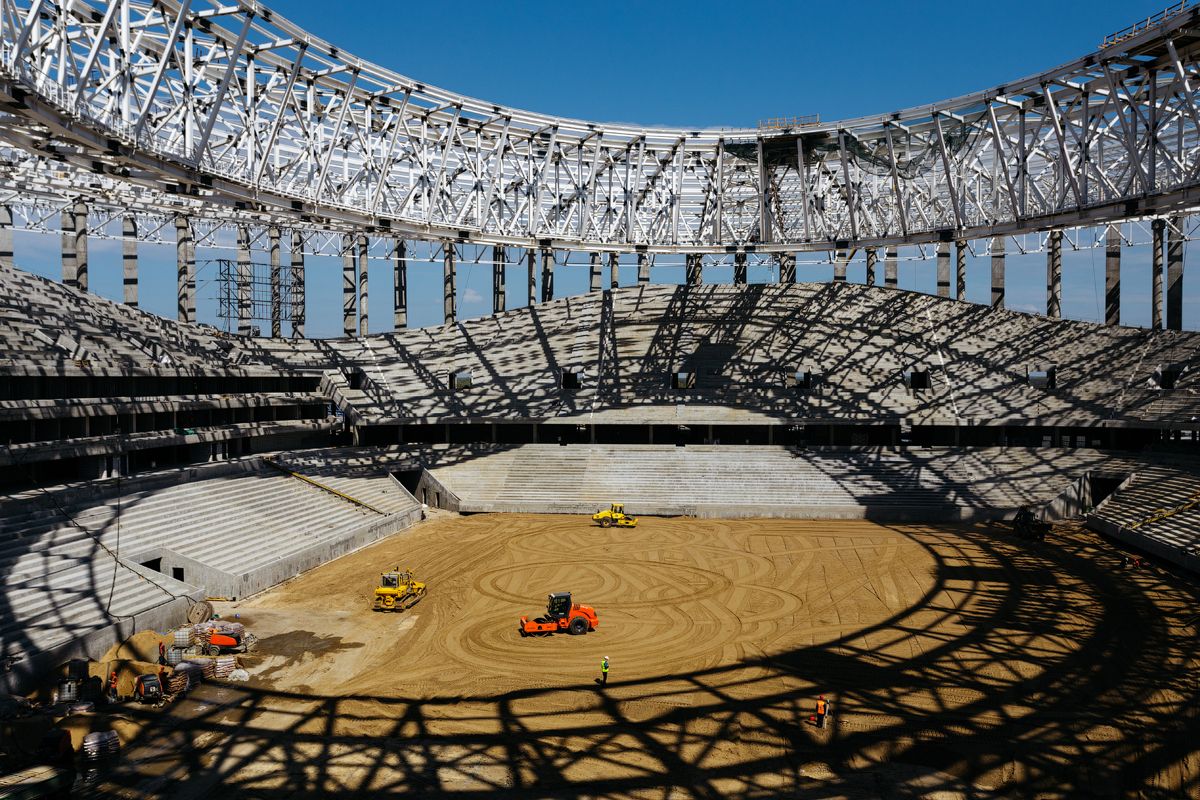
column 397, row 591
column 615, row 515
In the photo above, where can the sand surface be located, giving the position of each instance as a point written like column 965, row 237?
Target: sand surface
column 961, row 662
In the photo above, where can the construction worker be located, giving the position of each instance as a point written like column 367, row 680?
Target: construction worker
column 822, row 711
column 162, row 653
column 604, row 671
column 112, row 687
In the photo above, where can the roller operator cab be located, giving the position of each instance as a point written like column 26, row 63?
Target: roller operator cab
column 561, row 615
column 615, row 515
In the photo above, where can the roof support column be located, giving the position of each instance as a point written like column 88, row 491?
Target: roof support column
column 891, row 268
column 185, row 269
column 276, row 283
column 614, row 267
column 998, row 272
column 593, row 272
column 129, row 260
column 245, row 274
column 547, row 274
column 6, row 238
column 531, row 260
column 695, row 269
column 740, row 276
column 1156, row 273
column 1054, row 274
column 498, row 277
column 363, row 245
column 960, row 269
column 399, row 285
column 74, row 246
column 943, row 269
column 643, row 268
column 297, row 283
column 1174, row 274
column 1112, row 276
column 872, row 260
column 787, row 267
column 840, row 261
column 449, row 290
column 348, row 285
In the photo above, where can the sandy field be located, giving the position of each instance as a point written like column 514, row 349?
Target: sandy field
column 960, row 662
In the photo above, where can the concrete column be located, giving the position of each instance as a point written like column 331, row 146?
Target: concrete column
column 245, row 276
column 400, row 285
column 1112, row 276
column 449, row 290
column 363, row 246
column 276, row 283
column 547, row 274
column 349, row 289
column 891, row 268
column 1054, row 274
column 129, row 260
column 531, row 295
column 643, row 267
column 593, row 272
column 6, row 238
column 297, row 283
column 787, row 267
column 1174, row 274
column 840, row 261
column 184, row 267
column 498, row 267
column 998, row 272
column 70, row 244
column 960, row 269
column 1156, row 273
column 740, row 273
column 872, row 259
column 943, row 269
column 694, row 269
column 614, row 268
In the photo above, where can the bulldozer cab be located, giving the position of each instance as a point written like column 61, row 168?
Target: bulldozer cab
column 390, row 580
column 558, row 605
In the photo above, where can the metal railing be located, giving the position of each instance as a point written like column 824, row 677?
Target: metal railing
column 790, row 122
column 1150, row 21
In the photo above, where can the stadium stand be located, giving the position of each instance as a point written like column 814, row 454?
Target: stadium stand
column 1157, row 509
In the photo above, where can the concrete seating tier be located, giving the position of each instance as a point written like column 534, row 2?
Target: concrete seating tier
column 732, row 481
column 1157, row 510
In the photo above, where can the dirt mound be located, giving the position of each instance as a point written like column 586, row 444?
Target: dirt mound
column 142, row 646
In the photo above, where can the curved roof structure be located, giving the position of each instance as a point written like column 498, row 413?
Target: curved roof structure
column 232, row 105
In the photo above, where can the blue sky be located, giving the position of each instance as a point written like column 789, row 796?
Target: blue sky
column 677, row 63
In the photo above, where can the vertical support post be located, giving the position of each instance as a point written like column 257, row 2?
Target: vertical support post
column 129, row 260
column 245, row 276
column 960, row 269
column 1175, row 274
column 81, row 245
column 787, row 267
column 400, row 285
column 695, row 269
column 363, row 246
column 643, row 268
column 1054, row 274
column 449, row 290
column 998, row 272
column 943, row 269
column 547, row 274
column 498, row 286
column 840, row 262
column 349, row 289
column 593, row 272
column 740, row 273
column 614, row 270
column 872, row 259
column 531, row 259
column 891, row 268
column 6, row 238
column 297, row 282
column 183, row 267
column 1156, row 273
column 1112, row 276
column 276, row 283
column 70, row 261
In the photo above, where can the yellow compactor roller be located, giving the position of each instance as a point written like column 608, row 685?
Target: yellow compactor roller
column 615, row 515
column 398, row 590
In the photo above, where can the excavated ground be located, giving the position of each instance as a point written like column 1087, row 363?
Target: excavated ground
column 961, row 662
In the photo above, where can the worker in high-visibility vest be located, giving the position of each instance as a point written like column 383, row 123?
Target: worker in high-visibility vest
column 822, row 711
column 112, row 687
column 604, row 671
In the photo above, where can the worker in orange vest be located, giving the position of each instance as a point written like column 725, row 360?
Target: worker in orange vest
column 112, row 687
column 822, row 711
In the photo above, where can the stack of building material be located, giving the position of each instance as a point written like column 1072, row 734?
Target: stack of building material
column 184, row 638
column 207, row 667
column 224, row 666
column 101, row 744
